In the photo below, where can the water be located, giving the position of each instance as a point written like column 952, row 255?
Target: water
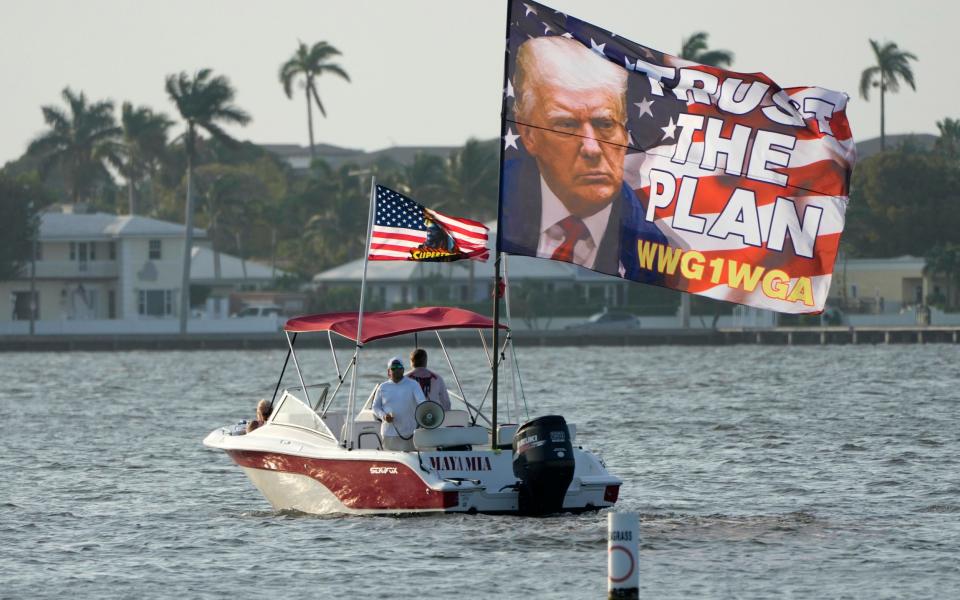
column 804, row 472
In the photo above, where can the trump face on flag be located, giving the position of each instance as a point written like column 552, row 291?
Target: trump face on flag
column 570, row 202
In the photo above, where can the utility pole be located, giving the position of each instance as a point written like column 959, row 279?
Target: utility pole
column 685, row 310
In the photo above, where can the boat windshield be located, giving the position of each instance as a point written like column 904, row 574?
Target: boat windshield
column 296, row 413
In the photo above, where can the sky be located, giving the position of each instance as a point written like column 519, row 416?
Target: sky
column 430, row 72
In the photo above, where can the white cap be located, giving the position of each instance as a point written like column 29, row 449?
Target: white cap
column 393, row 361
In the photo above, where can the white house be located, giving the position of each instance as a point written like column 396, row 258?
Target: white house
column 222, row 274
column 100, row 266
column 884, row 285
column 400, row 283
column 97, row 267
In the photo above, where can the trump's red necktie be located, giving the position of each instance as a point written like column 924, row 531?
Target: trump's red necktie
column 574, row 230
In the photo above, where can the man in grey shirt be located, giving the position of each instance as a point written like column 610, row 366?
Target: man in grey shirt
column 433, row 386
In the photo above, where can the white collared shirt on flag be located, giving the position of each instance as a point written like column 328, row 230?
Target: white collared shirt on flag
column 552, row 211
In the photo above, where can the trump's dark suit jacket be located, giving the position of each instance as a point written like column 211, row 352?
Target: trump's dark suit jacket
column 519, row 223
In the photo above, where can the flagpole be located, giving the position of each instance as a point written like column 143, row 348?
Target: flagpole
column 497, row 280
column 363, row 286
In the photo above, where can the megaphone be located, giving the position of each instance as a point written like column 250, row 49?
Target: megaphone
column 429, row 415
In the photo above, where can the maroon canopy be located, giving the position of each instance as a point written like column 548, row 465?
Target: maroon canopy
column 384, row 324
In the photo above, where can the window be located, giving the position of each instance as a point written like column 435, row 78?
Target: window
column 155, row 250
column 21, row 306
column 83, row 251
column 112, row 250
column 155, row 303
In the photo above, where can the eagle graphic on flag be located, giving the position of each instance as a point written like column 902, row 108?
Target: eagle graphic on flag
column 405, row 230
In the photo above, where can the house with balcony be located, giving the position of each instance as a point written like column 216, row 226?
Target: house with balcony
column 99, row 268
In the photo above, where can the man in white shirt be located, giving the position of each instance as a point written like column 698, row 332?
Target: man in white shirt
column 433, row 386
column 396, row 404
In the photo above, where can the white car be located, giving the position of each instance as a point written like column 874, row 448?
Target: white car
column 264, row 310
column 608, row 321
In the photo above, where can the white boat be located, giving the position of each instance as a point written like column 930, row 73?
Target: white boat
column 317, row 455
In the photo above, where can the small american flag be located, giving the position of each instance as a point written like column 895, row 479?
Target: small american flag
column 405, row 230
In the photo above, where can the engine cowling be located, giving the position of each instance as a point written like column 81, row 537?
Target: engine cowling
column 543, row 461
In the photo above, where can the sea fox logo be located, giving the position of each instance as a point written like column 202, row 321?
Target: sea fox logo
column 383, row 470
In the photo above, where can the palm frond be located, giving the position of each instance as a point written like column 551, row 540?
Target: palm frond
column 316, row 98
column 55, row 117
column 232, row 114
column 288, row 72
column 866, row 80
column 219, row 134
column 716, row 58
column 335, row 69
column 693, row 45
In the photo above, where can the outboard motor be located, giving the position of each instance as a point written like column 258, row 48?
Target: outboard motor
column 543, row 462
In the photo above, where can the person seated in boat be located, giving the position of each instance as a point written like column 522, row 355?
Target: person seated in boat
column 264, row 408
column 395, row 403
column 433, row 386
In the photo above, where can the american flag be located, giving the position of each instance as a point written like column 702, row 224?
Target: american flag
column 405, row 230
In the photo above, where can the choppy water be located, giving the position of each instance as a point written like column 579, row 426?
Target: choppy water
column 805, row 472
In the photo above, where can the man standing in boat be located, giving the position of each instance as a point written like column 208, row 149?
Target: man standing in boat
column 433, row 386
column 570, row 202
column 395, row 404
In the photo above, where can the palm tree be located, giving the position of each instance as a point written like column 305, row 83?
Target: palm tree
column 310, row 63
column 473, row 179
column 143, row 146
column 944, row 260
column 949, row 141
column 79, row 142
column 892, row 66
column 695, row 48
column 429, row 182
column 204, row 102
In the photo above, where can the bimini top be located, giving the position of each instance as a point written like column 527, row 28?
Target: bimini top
column 377, row 325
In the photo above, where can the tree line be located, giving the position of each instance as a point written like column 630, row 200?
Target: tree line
column 189, row 169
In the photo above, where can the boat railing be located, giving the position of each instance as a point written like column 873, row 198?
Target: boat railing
column 473, row 410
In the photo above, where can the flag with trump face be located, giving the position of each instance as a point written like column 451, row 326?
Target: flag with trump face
column 405, row 230
column 634, row 163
